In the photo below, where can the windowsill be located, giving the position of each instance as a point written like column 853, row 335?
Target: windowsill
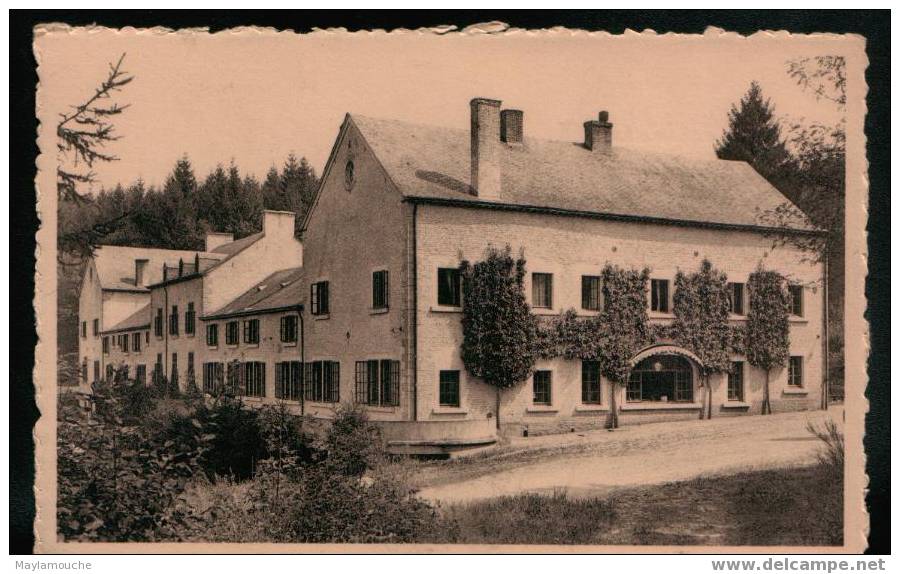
column 252, row 399
column 449, row 411
column 589, row 312
column 251, row 345
column 739, row 318
column 189, row 335
column 378, row 408
column 660, row 406
column 212, row 347
column 591, row 409
column 799, row 320
column 544, row 311
column 735, row 405
column 660, row 315
column 541, row 409
column 321, row 317
column 289, row 343
column 795, row 391
column 235, row 346
column 379, row 311
column 445, row 309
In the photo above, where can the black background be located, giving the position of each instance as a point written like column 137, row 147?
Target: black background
column 873, row 24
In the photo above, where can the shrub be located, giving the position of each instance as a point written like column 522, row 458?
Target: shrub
column 831, row 457
column 352, row 445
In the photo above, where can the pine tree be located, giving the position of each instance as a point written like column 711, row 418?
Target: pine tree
column 754, row 136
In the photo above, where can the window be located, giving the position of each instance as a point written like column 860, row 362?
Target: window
column 319, row 298
column 124, row 342
column 736, row 295
column 84, row 371
column 213, row 378
column 158, row 323
column 659, row 295
column 449, row 285
column 212, row 335
column 795, row 372
column 590, row 382
column 173, row 321
column 190, row 365
column 542, row 386
column 96, row 370
column 736, row 381
column 189, row 320
column 254, row 379
column 173, row 378
column 590, row 292
column 140, row 374
column 289, row 329
column 288, row 380
column 661, row 378
column 106, row 345
column 322, row 382
column 542, row 290
column 796, row 300
column 251, row 331
column 96, row 327
column 109, row 373
column 136, row 342
column 158, row 368
column 147, row 337
column 448, row 388
column 380, row 290
column 231, row 333
column 84, row 329
column 378, row 382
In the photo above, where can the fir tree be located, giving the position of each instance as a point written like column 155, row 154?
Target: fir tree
column 754, row 136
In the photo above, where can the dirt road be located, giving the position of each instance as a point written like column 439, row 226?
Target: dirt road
column 597, row 462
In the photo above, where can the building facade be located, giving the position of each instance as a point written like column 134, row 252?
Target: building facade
column 368, row 309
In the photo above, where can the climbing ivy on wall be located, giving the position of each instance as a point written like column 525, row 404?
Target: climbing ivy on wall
column 499, row 330
column 701, row 307
column 768, row 328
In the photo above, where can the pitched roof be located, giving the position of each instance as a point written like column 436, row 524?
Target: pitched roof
column 434, row 163
column 239, row 245
column 278, row 291
column 219, row 255
column 115, row 265
column 140, row 319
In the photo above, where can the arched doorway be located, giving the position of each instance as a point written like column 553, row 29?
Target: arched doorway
column 661, row 378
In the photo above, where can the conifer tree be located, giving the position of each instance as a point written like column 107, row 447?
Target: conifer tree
column 754, row 136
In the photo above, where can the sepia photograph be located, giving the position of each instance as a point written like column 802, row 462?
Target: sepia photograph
column 484, row 288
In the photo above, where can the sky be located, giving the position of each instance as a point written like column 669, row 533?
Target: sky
column 254, row 97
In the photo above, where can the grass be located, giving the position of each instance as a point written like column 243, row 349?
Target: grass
column 796, row 506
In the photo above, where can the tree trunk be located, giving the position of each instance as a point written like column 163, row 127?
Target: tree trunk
column 614, row 408
column 767, row 406
column 709, row 397
column 498, row 409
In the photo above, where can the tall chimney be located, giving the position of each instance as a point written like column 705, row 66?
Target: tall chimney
column 214, row 239
column 598, row 134
column 140, row 275
column 485, row 147
column 278, row 223
column 512, row 128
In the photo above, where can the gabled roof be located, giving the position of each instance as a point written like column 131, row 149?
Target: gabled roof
column 239, row 245
column 115, row 265
column 433, row 163
column 279, row 291
column 221, row 254
column 140, row 319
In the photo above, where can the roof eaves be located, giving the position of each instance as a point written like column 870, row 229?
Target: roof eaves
column 142, row 327
column 250, row 312
column 479, row 204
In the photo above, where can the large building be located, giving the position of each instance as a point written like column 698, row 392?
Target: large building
column 368, row 309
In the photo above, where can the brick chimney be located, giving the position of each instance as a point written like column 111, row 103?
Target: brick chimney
column 214, row 239
column 485, row 148
column 140, row 272
column 512, row 126
column 598, row 134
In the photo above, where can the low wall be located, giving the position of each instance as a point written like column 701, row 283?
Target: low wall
column 424, row 437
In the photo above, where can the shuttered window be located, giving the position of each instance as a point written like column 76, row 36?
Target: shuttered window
column 231, row 333
column 173, row 321
column 136, row 342
column 251, row 331
column 288, row 380
column 158, row 323
column 213, row 378
column 189, row 319
column 378, row 382
column 212, row 335
column 254, row 373
column 289, row 329
column 318, row 297
column 322, row 382
column 380, row 290
column 590, row 292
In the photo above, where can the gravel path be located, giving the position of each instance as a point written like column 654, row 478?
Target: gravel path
column 597, row 462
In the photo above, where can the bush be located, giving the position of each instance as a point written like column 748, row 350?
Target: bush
column 352, row 445
column 831, row 458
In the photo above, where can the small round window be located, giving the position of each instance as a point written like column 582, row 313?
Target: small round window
column 349, row 175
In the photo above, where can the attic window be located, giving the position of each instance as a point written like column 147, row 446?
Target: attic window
column 285, row 284
column 260, row 287
column 349, row 175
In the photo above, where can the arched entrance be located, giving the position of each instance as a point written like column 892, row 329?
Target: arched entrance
column 663, row 374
